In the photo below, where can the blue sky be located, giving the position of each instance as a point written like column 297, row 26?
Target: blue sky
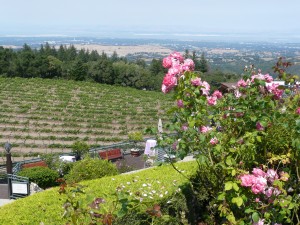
column 200, row 16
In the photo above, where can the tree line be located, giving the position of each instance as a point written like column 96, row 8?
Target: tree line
column 66, row 62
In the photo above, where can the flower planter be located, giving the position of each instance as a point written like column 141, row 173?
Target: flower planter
column 135, row 152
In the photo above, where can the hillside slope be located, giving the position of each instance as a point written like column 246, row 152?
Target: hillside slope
column 39, row 115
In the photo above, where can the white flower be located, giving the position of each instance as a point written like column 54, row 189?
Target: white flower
column 144, row 185
column 161, row 195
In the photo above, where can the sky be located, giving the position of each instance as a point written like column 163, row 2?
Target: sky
column 149, row 16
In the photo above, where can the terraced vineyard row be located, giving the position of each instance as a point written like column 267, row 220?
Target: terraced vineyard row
column 44, row 116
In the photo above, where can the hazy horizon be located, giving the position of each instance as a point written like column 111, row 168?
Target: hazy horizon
column 195, row 19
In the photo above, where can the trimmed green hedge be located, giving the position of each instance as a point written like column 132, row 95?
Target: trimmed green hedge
column 89, row 168
column 44, row 177
column 46, row 206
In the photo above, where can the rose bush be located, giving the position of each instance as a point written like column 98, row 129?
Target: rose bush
column 253, row 128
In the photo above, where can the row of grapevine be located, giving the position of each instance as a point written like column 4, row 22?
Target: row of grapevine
column 45, row 116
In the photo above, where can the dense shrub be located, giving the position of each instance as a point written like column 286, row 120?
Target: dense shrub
column 47, row 207
column 80, row 148
column 88, row 169
column 246, row 141
column 42, row 176
column 54, row 163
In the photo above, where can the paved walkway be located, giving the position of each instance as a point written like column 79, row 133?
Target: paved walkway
column 5, row 201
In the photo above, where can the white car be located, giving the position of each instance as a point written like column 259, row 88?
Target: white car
column 67, row 158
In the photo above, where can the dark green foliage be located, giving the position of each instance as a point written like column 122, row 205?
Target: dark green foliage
column 88, row 169
column 102, row 71
column 277, row 139
column 42, row 176
column 80, row 148
column 68, row 63
column 54, row 163
column 78, row 71
column 203, row 64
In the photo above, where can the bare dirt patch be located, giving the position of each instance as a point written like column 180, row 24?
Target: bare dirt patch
column 125, row 50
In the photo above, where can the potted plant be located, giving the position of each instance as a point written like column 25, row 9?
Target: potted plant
column 135, row 137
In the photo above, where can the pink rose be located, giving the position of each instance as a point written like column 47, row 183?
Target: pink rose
column 258, row 172
column 217, row 94
column 239, row 114
column 268, row 78
column 237, row 94
column 188, row 65
column 259, row 127
column 165, row 89
column 259, row 185
column 214, row 141
column 174, row 145
column 257, row 200
column 206, row 87
column 180, row 103
column 298, row 110
column 196, row 82
column 184, row 127
column 167, row 62
column 269, row 192
column 175, row 70
column 241, row 83
column 247, row 180
column 177, row 56
column 274, row 89
column 257, row 77
column 272, row 175
column 276, row 192
column 211, row 100
column 170, row 80
column 204, row 129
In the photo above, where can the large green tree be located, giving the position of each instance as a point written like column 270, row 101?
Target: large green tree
column 203, row 64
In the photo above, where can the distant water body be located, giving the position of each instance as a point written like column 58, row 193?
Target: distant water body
column 224, row 37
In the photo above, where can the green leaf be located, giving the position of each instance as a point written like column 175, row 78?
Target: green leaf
column 255, row 217
column 239, row 201
column 228, row 161
column 233, row 173
column 235, row 186
column 121, row 213
column 258, row 138
column 228, row 185
column 231, row 218
column 249, row 211
column 221, row 196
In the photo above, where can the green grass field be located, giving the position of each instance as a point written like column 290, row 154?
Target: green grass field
column 46, row 116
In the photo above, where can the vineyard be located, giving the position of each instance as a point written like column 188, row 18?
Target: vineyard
column 47, row 116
